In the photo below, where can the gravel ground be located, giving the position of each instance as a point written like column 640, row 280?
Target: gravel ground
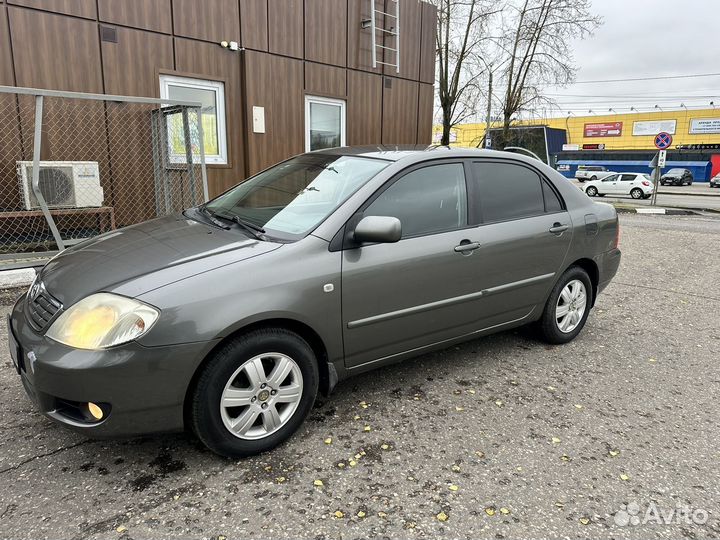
column 499, row 437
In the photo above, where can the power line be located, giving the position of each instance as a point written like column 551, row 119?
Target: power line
column 661, row 78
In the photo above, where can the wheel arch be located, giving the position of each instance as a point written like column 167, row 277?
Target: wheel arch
column 327, row 374
column 592, row 270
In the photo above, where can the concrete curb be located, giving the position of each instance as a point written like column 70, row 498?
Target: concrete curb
column 669, row 211
column 15, row 279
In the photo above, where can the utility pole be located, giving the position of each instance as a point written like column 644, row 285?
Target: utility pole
column 489, row 109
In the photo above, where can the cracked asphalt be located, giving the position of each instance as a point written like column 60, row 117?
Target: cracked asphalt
column 500, row 437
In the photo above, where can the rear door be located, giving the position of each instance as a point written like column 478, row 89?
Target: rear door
column 524, row 234
column 627, row 182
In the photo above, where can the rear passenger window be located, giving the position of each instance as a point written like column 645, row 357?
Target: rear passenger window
column 552, row 201
column 427, row 200
column 509, row 191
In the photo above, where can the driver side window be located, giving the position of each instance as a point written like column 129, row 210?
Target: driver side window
column 611, row 178
column 428, row 200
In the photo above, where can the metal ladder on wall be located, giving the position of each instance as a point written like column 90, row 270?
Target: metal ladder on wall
column 391, row 30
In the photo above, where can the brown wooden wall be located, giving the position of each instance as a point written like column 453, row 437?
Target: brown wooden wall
column 291, row 48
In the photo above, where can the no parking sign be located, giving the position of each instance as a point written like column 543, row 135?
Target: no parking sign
column 663, row 140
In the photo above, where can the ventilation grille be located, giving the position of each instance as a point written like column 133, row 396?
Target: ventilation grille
column 42, row 308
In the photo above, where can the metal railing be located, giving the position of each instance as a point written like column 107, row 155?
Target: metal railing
column 74, row 165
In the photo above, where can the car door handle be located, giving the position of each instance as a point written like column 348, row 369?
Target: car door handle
column 559, row 228
column 466, row 246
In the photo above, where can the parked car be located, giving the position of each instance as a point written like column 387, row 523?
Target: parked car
column 229, row 318
column 591, row 172
column 677, row 177
column 715, row 181
column 636, row 185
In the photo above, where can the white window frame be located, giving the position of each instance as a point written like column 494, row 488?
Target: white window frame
column 324, row 101
column 202, row 84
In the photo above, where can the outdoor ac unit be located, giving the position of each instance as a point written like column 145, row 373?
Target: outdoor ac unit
column 63, row 184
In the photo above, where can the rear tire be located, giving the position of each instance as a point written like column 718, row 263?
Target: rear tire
column 231, row 411
column 636, row 193
column 571, row 297
column 591, row 191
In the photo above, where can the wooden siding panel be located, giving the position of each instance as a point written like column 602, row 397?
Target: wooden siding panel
column 145, row 14
column 326, row 31
column 65, row 52
column 325, row 80
column 364, row 108
column 214, row 21
column 206, row 60
column 400, row 111
column 143, row 52
column 6, row 67
column 286, row 27
column 426, row 108
column 79, row 8
column 254, row 24
column 427, row 43
column 257, row 82
column 360, row 51
column 410, row 24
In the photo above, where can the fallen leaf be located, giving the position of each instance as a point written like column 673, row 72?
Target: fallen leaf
column 459, row 409
column 121, row 529
column 651, row 360
column 353, row 462
column 356, row 417
column 584, row 520
column 560, row 504
column 268, row 468
column 176, row 497
column 382, row 514
column 366, row 428
column 341, row 465
column 442, row 516
column 578, row 406
column 551, row 388
column 384, row 446
column 318, row 483
column 280, row 479
column 565, row 457
column 499, row 403
column 338, row 514
column 328, row 440
column 357, row 456
column 456, row 468
column 361, row 514
column 614, row 453
column 453, row 487
column 221, row 537
column 490, row 511
column 504, row 510
column 479, row 454
column 555, row 440
column 624, row 477
column 471, row 391
column 519, row 469
column 514, row 383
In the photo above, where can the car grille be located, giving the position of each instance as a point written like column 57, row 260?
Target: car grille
column 41, row 308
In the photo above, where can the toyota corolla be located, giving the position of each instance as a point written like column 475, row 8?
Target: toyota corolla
column 229, row 318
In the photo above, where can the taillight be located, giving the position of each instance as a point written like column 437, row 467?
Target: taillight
column 645, row 183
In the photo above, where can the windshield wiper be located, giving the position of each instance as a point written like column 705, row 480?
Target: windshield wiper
column 211, row 216
column 254, row 230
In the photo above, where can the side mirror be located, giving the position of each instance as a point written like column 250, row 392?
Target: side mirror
column 381, row 229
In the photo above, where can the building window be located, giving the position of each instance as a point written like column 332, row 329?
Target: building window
column 212, row 96
column 324, row 123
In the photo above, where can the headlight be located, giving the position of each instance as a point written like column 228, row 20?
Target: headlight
column 102, row 320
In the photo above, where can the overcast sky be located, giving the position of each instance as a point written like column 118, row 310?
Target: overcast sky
column 643, row 38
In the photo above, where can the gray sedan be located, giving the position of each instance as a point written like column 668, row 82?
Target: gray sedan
column 229, row 318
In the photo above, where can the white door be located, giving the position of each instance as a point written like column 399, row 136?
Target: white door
column 609, row 184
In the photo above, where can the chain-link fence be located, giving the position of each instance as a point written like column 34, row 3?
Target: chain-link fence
column 75, row 165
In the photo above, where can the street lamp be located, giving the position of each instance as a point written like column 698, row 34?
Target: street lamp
column 659, row 107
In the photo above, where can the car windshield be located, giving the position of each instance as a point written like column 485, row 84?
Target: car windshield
column 293, row 197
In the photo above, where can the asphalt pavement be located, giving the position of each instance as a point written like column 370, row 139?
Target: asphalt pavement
column 610, row 436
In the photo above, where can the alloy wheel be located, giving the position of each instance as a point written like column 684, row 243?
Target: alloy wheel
column 571, row 306
column 261, row 396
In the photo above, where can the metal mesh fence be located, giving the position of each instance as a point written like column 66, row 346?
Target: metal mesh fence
column 103, row 163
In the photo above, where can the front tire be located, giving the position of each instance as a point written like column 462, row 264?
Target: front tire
column 254, row 392
column 568, row 307
column 591, row 191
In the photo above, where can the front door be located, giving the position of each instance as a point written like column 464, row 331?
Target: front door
column 422, row 289
column 609, row 184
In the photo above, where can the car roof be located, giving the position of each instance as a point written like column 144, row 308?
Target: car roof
column 412, row 153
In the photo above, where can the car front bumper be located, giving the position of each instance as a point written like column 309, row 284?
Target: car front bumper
column 142, row 389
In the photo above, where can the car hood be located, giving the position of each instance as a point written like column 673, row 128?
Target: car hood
column 137, row 259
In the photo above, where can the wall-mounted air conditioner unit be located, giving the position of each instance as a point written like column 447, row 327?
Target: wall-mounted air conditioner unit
column 63, row 184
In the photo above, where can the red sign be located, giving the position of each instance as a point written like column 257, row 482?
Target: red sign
column 610, row 129
column 595, row 146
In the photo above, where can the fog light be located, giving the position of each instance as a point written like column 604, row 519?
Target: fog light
column 95, row 411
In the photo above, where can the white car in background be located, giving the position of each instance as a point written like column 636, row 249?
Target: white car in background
column 591, row 172
column 636, row 185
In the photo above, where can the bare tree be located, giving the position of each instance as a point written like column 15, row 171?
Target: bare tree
column 536, row 44
column 460, row 31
